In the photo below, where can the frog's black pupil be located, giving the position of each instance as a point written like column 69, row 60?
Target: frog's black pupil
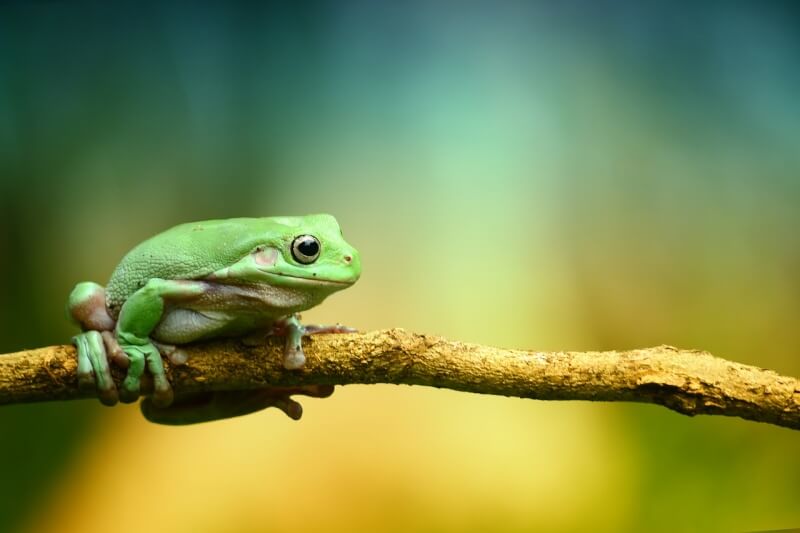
column 308, row 247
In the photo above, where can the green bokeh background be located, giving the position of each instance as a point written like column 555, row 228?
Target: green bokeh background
column 578, row 175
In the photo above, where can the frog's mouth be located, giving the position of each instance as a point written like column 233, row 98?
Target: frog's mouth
column 311, row 280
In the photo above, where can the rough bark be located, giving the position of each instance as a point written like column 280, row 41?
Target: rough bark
column 687, row 381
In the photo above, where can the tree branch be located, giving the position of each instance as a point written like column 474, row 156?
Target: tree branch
column 687, row 381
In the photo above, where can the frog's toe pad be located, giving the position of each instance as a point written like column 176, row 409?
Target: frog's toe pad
column 292, row 408
column 108, row 396
column 178, row 357
column 162, row 395
column 129, row 391
column 294, row 358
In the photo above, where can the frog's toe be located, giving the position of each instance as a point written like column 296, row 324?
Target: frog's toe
column 162, row 393
column 108, row 396
column 291, row 408
column 115, row 353
column 175, row 355
column 280, row 397
column 93, row 370
column 130, row 389
column 293, row 356
column 85, row 370
column 178, row 357
column 316, row 329
column 162, row 390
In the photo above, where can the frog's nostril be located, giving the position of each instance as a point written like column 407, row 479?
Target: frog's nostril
column 347, row 259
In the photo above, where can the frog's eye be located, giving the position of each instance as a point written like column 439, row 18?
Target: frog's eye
column 305, row 249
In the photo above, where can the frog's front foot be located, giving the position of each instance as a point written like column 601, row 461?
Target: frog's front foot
column 293, row 356
column 141, row 352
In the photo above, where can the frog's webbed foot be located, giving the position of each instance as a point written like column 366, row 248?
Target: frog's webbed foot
column 293, row 356
column 206, row 406
column 141, row 352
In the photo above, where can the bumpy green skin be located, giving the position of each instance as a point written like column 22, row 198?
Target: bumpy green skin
column 204, row 280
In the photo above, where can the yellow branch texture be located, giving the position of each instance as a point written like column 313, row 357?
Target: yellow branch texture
column 687, row 381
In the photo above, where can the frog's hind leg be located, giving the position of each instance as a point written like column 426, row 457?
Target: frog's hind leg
column 198, row 407
column 87, row 306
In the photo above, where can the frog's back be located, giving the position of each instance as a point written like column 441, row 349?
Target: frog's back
column 188, row 251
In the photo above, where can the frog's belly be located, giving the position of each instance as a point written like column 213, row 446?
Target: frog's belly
column 228, row 311
column 179, row 326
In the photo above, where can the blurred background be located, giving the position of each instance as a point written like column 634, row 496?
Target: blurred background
column 553, row 176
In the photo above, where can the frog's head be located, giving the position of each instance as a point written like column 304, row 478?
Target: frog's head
column 305, row 253
column 312, row 249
